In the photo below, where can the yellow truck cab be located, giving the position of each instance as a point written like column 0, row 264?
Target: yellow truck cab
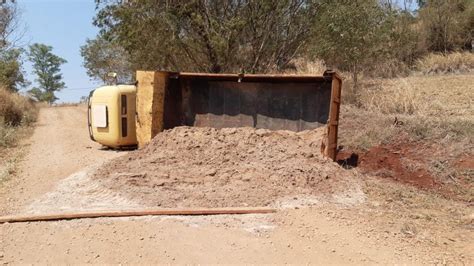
column 111, row 116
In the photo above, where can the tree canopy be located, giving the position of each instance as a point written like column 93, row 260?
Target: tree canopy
column 370, row 36
column 11, row 72
column 47, row 68
column 350, row 34
column 102, row 57
column 207, row 36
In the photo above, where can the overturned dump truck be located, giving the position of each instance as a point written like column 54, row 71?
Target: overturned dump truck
column 126, row 115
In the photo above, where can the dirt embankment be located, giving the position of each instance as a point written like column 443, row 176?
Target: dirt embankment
column 426, row 166
column 208, row 167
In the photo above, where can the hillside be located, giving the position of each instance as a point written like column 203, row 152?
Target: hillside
column 416, row 130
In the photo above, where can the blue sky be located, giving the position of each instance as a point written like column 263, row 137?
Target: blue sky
column 65, row 25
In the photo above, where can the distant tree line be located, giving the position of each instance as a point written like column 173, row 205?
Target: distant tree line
column 46, row 65
column 266, row 35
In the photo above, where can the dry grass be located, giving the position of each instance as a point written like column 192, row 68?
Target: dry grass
column 458, row 62
column 16, row 111
column 434, row 113
column 389, row 68
column 442, row 95
column 8, row 166
column 305, row 67
column 361, row 129
column 390, row 97
column 66, row 104
column 416, row 207
column 7, row 135
column 436, row 108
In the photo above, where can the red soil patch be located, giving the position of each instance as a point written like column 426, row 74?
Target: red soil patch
column 409, row 163
column 404, row 162
column 466, row 162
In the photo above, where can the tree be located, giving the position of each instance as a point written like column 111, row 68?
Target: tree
column 207, row 36
column 350, row 35
column 447, row 25
column 102, row 57
column 10, row 27
column 46, row 67
column 7, row 20
column 84, row 99
column 11, row 71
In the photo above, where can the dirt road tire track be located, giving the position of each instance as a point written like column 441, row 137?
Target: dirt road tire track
column 58, row 148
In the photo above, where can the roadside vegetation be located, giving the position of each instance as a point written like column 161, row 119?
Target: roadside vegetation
column 431, row 102
column 421, row 123
column 420, row 107
column 451, row 63
column 365, row 38
column 425, row 116
column 17, row 113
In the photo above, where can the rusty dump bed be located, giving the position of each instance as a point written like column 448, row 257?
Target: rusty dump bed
column 289, row 102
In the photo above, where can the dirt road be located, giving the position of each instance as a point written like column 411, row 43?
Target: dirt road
column 59, row 147
column 379, row 223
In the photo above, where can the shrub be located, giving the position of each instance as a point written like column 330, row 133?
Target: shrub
column 457, row 62
column 388, row 68
column 16, row 109
column 302, row 66
column 7, row 135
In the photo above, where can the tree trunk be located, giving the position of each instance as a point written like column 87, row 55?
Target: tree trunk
column 355, row 78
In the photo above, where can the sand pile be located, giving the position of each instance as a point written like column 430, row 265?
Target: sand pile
column 207, row 167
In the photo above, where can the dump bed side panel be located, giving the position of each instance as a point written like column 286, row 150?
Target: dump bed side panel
column 275, row 106
column 293, row 106
column 277, row 102
column 333, row 122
